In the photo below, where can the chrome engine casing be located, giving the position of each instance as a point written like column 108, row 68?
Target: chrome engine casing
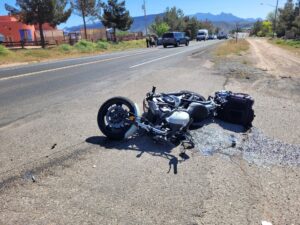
column 178, row 119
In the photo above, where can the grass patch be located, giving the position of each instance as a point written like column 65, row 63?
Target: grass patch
column 81, row 48
column 231, row 47
column 290, row 45
column 100, row 45
column 85, row 46
column 4, row 51
column 65, row 48
column 37, row 53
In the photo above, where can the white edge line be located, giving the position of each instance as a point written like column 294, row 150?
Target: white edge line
column 147, row 62
column 27, row 65
column 66, row 67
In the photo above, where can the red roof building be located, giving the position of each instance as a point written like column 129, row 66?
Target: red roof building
column 14, row 31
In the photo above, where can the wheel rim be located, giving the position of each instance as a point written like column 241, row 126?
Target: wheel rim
column 117, row 117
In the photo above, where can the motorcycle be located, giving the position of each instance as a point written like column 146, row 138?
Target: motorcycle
column 168, row 116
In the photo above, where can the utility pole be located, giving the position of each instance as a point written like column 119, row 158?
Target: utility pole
column 145, row 15
column 275, row 23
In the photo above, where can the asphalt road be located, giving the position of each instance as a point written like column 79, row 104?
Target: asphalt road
column 28, row 89
column 30, row 93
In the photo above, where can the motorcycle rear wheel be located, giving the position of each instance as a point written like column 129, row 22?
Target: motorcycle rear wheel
column 116, row 116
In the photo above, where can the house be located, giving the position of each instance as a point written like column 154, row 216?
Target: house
column 15, row 31
column 11, row 30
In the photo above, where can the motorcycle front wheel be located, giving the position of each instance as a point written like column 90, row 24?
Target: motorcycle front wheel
column 116, row 118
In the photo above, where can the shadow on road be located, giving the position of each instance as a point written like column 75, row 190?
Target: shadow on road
column 142, row 144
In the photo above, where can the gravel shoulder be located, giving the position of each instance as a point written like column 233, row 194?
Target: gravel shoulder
column 267, row 73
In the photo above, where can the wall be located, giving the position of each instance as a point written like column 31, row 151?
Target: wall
column 10, row 28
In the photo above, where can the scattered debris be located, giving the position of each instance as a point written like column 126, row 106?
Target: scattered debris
column 265, row 223
column 33, row 179
column 285, row 77
column 253, row 146
column 233, row 140
column 29, row 176
column 53, row 146
column 264, row 69
column 94, row 166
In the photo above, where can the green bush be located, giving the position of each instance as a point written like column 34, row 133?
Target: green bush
column 101, row 45
column 85, row 46
column 3, row 51
column 279, row 41
column 292, row 43
column 65, row 48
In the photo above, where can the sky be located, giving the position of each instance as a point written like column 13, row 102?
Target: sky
column 240, row 8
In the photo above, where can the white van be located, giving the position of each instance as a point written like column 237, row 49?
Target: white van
column 202, row 35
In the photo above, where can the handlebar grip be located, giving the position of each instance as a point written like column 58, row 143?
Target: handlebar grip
column 153, row 89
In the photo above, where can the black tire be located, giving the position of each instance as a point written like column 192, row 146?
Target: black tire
column 176, row 45
column 187, row 43
column 198, row 96
column 102, row 119
column 165, row 46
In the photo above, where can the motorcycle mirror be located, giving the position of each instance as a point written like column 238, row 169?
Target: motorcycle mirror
column 153, row 89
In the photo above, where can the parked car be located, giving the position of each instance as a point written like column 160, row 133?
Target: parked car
column 222, row 36
column 175, row 39
column 202, row 35
column 212, row 37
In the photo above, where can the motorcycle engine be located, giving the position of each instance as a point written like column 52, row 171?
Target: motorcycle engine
column 178, row 119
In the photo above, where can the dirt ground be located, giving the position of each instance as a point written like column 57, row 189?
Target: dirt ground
column 273, row 59
column 136, row 181
column 272, row 75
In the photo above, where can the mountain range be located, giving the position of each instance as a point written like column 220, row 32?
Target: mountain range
column 225, row 21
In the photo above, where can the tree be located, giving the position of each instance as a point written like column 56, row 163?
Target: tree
column 159, row 28
column 85, row 8
column 174, row 18
column 116, row 16
column 266, row 28
column 296, row 22
column 286, row 18
column 40, row 12
column 192, row 25
column 207, row 25
column 257, row 26
column 217, row 30
column 176, row 21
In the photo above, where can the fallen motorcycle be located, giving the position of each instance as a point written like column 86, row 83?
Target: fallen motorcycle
column 168, row 116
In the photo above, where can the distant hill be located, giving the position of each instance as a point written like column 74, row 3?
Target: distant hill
column 138, row 24
column 225, row 21
column 222, row 17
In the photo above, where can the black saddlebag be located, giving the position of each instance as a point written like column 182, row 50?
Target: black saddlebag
column 237, row 108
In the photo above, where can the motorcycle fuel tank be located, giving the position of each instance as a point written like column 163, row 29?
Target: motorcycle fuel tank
column 179, row 118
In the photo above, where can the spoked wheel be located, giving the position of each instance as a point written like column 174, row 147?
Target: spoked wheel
column 116, row 116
